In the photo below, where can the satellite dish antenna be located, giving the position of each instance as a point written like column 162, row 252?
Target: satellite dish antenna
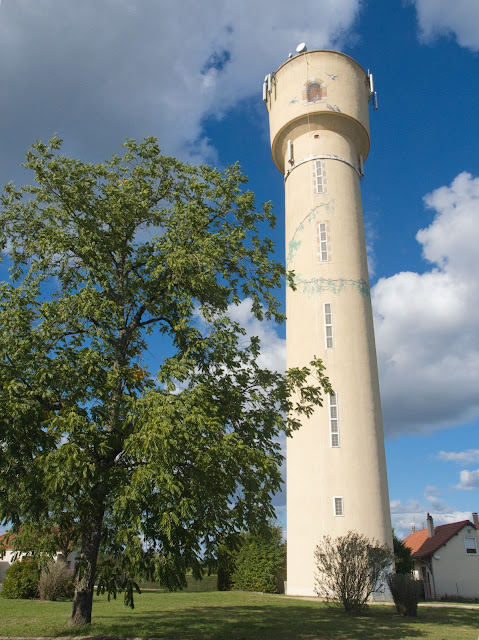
column 301, row 48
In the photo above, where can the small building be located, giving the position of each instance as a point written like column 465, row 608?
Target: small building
column 446, row 558
column 8, row 555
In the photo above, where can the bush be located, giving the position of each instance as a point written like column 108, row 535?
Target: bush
column 350, row 569
column 21, row 580
column 56, row 581
column 260, row 563
column 406, row 592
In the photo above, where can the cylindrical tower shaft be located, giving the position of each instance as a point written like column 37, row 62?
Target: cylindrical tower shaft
column 336, row 470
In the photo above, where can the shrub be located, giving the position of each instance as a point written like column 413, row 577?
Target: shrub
column 350, row 569
column 405, row 591
column 260, row 563
column 56, row 581
column 21, row 580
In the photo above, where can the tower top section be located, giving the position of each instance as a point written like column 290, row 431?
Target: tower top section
column 315, row 90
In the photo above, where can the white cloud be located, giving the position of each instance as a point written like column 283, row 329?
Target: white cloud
column 273, row 348
column 412, row 514
column 412, row 506
column 443, row 17
column 463, row 457
column 97, row 72
column 434, row 502
column 426, row 324
column 404, row 521
column 468, row 480
column 371, row 237
column 451, row 240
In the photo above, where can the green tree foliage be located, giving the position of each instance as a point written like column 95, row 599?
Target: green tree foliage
column 350, row 569
column 260, row 564
column 112, row 579
column 41, row 540
column 150, row 469
column 402, row 557
column 226, row 559
column 21, row 580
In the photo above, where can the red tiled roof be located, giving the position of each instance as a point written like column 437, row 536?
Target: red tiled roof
column 422, row 545
column 6, row 541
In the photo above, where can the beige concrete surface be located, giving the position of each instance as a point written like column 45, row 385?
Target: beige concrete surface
column 318, row 111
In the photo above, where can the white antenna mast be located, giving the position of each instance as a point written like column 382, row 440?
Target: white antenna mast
column 373, row 96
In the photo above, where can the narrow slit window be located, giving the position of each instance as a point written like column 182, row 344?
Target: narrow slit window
column 334, row 420
column 328, row 325
column 323, row 242
column 338, row 506
column 319, row 177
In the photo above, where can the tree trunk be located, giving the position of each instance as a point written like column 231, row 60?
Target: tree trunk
column 83, row 599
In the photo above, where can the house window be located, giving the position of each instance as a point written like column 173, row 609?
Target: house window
column 334, row 420
column 471, row 545
column 319, row 177
column 338, row 502
column 323, row 242
column 328, row 325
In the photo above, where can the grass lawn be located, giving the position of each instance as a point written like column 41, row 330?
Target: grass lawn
column 234, row 616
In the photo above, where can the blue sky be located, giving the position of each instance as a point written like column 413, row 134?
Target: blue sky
column 191, row 73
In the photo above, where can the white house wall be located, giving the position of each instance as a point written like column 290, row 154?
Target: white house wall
column 8, row 559
column 456, row 573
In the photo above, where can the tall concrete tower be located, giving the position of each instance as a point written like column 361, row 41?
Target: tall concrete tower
column 336, row 470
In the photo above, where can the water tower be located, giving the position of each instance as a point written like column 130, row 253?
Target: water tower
column 318, row 105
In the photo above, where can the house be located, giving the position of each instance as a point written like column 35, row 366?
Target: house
column 8, row 555
column 446, row 558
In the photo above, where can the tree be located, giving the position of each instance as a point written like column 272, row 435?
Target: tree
column 404, row 588
column 105, row 262
column 350, row 569
column 402, row 557
column 226, row 560
column 260, row 561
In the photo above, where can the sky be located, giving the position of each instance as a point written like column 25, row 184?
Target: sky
column 191, row 73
